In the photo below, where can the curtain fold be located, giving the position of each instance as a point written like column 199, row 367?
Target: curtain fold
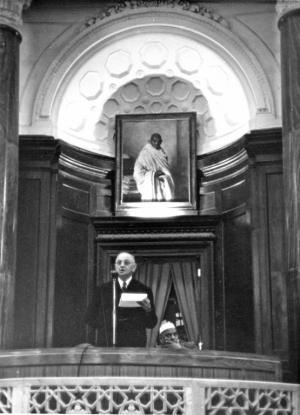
column 187, row 289
column 156, row 276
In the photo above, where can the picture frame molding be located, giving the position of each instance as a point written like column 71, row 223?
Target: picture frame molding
column 156, row 208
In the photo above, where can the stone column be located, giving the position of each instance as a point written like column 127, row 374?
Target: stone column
column 289, row 25
column 10, row 21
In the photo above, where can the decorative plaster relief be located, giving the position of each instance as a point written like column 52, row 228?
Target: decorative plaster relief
column 11, row 12
column 119, row 63
column 285, row 6
column 182, row 95
column 153, row 54
column 183, row 5
column 199, row 104
column 189, row 64
column 155, row 86
column 100, row 130
column 217, row 80
column 75, row 116
column 139, row 110
column 130, row 92
column 90, row 85
column 188, row 60
column 111, row 108
column 209, row 127
column 170, row 41
column 180, row 90
column 156, row 107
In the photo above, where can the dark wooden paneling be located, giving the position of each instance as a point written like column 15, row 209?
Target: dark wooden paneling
column 88, row 181
column 73, row 267
column 269, row 259
column 35, row 261
column 138, row 362
column 278, row 299
column 223, row 179
column 234, row 195
column 36, row 242
column 9, row 93
column 268, row 243
column 289, row 25
column 75, row 199
column 238, row 284
column 84, row 189
column 27, row 262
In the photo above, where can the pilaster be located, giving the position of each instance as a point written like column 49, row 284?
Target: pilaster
column 10, row 21
column 11, row 13
column 289, row 25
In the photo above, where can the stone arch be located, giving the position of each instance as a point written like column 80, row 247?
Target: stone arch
column 107, row 53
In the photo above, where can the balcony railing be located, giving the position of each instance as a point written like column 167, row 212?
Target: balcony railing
column 141, row 395
column 96, row 361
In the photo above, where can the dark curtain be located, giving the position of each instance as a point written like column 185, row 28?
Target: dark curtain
column 156, row 276
column 187, row 289
column 159, row 277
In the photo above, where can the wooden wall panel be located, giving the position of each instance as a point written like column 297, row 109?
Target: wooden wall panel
column 275, row 210
column 36, row 243
column 248, row 257
column 268, row 253
column 268, row 244
column 27, row 262
column 234, row 195
column 222, row 179
column 82, row 188
column 73, row 267
column 238, row 284
column 289, row 25
column 75, row 199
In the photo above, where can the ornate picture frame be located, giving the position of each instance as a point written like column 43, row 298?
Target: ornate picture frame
column 155, row 164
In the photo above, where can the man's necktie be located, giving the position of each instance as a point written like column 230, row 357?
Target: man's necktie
column 124, row 287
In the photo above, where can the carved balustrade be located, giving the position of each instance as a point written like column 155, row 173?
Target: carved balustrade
column 119, row 395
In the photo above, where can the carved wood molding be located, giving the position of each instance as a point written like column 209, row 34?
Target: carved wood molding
column 236, row 164
column 228, row 163
column 264, row 142
column 84, row 164
column 203, row 228
column 157, row 236
column 35, row 150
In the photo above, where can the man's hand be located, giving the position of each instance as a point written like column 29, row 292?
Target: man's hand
column 145, row 304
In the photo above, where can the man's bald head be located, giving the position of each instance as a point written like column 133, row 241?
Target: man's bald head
column 125, row 255
column 125, row 265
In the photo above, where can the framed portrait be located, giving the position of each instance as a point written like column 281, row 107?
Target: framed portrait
column 155, row 164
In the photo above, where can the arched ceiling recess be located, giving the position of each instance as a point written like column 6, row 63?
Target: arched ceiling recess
column 151, row 94
column 143, row 53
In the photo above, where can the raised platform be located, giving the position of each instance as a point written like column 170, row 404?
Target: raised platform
column 86, row 360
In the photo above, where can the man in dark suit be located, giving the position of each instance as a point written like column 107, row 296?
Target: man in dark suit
column 132, row 321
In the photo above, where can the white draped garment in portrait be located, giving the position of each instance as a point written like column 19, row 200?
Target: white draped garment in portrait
column 150, row 186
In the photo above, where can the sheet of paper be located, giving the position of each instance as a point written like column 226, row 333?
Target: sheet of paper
column 131, row 299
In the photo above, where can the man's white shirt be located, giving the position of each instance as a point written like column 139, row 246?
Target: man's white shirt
column 121, row 282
